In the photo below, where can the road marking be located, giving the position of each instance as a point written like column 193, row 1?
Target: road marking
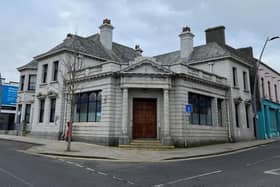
column 189, row 178
column 69, row 162
column 261, row 161
column 79, row 165
column 120, row 179
column 273, row 171
column 16, row 177
column 98, row 172
column 101, row 173
column 90, row 169
column 129, row 182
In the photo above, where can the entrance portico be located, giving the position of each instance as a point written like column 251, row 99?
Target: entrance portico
column 146, row 115
column 145, row 102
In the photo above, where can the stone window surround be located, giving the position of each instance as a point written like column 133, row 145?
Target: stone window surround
column 96, row 102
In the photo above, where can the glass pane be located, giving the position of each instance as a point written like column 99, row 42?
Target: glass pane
column 98, row 111
column 76, row 113
column 273, row 118
column 83, row 108
column 92, row 107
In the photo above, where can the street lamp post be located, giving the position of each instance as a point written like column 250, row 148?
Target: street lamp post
column 256, row 77
column 0, row 92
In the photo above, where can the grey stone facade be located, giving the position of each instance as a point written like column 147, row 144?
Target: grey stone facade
column 122, row 74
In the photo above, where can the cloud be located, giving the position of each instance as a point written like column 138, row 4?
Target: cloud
column 29, row 28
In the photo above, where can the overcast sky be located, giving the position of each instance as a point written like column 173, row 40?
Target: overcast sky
column 31, row 27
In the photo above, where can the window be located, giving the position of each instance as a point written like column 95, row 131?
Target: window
column 247, row 115
column 220, row 121
column 41, row 112
column 236, row 115
column 44, row 73
column 234, row 76
column 55, row 70
column 19, row 113
column 32, row 82
column 269, row 91
column 88, row 107
column 52, row 110
column 201, row 114
column 22, row 82
column 276, row 94
column 262, row 82
column 245, row 81
column 27, row 113
column 211, row 64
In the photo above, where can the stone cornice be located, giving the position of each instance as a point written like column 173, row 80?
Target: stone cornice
column 202, row 81
column 144, row 61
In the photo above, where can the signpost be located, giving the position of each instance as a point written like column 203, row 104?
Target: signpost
column 188, row 108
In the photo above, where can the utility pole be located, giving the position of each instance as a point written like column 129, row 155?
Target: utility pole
column 0, row 92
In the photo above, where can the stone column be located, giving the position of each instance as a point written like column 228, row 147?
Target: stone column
column 224, row 113
column 166, row 134
column 47, row 111
column 124, row 132
column 214, row 108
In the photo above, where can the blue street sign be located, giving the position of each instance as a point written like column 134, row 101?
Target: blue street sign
column 9, row 95
column 188, row 108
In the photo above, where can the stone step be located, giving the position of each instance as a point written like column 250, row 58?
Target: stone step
column 147, row 144
column 149, row 147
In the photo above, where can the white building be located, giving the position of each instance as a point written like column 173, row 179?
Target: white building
column 122, row 95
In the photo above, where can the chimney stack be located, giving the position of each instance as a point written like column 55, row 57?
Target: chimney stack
column 186, row 42
column 106, row 34
column 216, row 34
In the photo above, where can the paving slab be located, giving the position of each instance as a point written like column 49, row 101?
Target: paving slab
column 93, row 151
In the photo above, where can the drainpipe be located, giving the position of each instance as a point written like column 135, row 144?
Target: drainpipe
column 229, row 117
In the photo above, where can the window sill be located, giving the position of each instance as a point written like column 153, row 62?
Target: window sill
column 247, row 91
column 30, row 90
column 236, row 87
column 43, row 84
column 53, row 82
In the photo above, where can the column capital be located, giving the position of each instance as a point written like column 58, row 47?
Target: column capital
column 166, row 91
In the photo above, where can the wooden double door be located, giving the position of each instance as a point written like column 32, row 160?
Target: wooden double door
column 144, row 118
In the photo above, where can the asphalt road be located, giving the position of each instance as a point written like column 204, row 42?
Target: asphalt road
column 256, row 167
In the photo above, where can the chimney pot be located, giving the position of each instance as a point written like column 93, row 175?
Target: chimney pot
column 107, row 21
column 186, row 29
column 69, row 35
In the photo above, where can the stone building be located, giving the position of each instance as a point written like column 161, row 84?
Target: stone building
column 26, row 97
column 122, row 95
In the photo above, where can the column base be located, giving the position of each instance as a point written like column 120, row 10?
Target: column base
column 167, row 140
column 123, row 140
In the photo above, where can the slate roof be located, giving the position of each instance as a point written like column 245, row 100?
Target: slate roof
column 205, row 52
column 92, row 46
column 31, row 65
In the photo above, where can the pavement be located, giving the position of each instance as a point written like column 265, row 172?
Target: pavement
column 93, row 151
